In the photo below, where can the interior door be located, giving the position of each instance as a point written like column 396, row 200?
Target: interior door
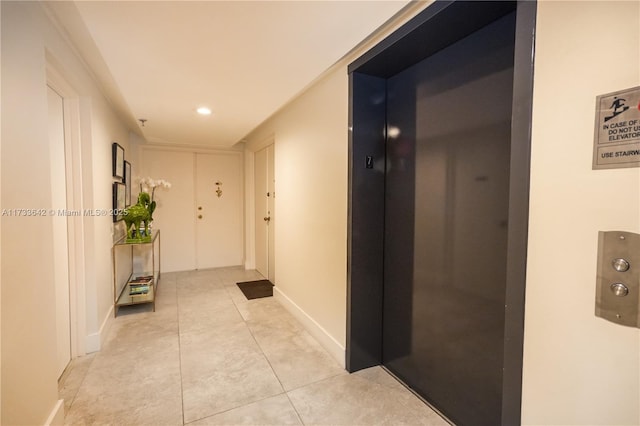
column 265, row 212
column 219, row 212
column 271, row 202
column 262, row 211
column 174, row 214
column 446, row 210
column 60, row 231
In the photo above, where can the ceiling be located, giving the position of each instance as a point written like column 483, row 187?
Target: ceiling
column 160, row 60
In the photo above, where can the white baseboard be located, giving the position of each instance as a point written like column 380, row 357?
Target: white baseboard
column 56, row 417
column 95, row 341
column 316, row 330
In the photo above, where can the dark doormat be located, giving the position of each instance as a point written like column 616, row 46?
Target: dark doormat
column 256, row 289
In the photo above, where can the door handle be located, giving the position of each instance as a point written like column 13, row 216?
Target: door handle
column 267, row 219
column 199, row 216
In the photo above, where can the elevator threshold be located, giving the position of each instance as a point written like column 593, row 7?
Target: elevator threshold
column 420, row 397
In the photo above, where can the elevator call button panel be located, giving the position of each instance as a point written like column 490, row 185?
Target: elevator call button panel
column 618, row 278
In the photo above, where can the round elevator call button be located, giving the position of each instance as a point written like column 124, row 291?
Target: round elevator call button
column 620, row 265
column 619, row 289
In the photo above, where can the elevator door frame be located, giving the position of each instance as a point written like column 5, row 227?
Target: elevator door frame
column 437, row 27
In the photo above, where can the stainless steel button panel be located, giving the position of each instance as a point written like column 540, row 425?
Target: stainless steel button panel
column 618, row 278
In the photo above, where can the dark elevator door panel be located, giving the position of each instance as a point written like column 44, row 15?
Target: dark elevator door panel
column 446, row 209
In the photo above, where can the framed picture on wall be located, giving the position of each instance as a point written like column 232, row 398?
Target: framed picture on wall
column 127, row 183
column 118, row 200
column 118, row 160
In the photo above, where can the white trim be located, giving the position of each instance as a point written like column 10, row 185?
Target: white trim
column 316, row 330
column 75, row 229
column 74, row 189
column 56, row 417
column 250, row 201
column 95, row 341
column 197, row 149
column 262, row 144
column 249, row 211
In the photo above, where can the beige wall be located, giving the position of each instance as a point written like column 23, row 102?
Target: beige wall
column 310, row 136
column 578, row 369
column 29, row 42
column 28, row 317
column 0, row 234
column 311, row 201
column 189, row 243
column 569, row 375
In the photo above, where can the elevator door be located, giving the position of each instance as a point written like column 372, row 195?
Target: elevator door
column 446, row 209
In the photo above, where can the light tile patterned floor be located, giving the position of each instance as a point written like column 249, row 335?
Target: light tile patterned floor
column 208, row 356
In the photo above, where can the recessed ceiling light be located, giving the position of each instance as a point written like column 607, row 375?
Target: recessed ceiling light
column 203, row 111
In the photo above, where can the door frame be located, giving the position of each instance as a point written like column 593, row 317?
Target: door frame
column 251, row 206
column 199, row 156
column 74, row 189
column 58, row 178
column 269, row 210
column 194, row 151
column 435, row 28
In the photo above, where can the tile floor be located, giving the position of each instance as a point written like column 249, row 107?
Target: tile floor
column 208, row 356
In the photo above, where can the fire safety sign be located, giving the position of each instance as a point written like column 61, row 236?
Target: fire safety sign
column 617, row 131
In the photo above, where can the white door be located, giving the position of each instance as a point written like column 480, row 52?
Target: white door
column 219, row 212
column 199, row 229
column 60, row 235
column 271, row 200
column 265, row 212
column 262, row 212
column 174, row 211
